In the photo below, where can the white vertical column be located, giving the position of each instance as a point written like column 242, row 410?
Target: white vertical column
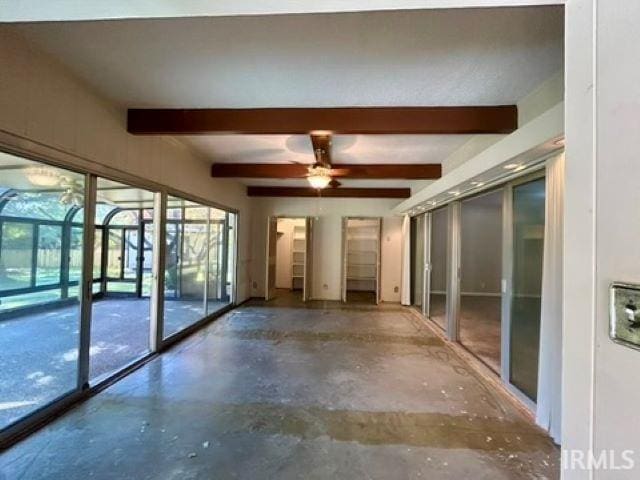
column 453, row 271
column 206, row 267
column 426, row 268
column 506, row 281
column 86, row 281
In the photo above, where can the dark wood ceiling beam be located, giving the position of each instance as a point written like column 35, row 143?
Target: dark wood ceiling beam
column 428, row 171
column 347, row 120
column 341, row 192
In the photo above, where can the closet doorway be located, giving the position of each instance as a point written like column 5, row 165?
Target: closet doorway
column 361, row 255
column 289, row 258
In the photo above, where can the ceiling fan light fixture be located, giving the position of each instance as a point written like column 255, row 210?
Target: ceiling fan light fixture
column 319, row 177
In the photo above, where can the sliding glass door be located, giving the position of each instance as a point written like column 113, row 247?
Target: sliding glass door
column 484, row 258
column 67, row 324
column 120, row 318
column 197, row 263
column 528, row 213
column 39, row 274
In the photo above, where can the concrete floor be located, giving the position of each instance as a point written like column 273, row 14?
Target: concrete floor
column 39, row 351
column 288, row 390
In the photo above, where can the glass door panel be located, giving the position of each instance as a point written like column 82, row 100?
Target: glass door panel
column 217, row 260
column 438, row 283
column 186, row 264
column 528, row 239
column 39, row 333
column 120, row 319
column 479, row 318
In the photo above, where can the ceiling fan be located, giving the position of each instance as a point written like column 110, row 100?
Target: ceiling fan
column 321, row 173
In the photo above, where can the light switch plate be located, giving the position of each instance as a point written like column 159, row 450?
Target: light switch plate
column 624, row 314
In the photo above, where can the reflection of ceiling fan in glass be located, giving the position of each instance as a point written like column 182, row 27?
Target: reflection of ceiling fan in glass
column 72, row 189
column 73, row 192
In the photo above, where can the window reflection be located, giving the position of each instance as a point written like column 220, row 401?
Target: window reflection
column 197, row 263
column 39, row 274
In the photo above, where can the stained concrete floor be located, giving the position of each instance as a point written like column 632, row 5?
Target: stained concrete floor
column 39, row 351
column 287, row 390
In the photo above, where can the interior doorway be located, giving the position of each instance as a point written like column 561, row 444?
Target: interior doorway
column 289, row 258
column 361, row 255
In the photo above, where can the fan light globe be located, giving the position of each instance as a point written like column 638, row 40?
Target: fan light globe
column 319, row 181
column 319, row 177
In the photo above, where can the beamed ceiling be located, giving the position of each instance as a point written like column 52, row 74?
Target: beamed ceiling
column 431, row 58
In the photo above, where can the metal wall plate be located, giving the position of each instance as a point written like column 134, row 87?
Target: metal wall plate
column 624, row 313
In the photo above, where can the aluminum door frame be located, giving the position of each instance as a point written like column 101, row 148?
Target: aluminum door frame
column 426, row 260
column 307, row 281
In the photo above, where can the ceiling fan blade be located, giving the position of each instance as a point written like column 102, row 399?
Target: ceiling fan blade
column 297, row 162
column 334, row 183
column 339, row 172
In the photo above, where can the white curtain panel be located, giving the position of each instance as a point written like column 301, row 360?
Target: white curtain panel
column 405, row 281
column 550, row 363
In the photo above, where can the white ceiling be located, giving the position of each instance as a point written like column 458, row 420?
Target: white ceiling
column 358, row 149
column 37, row 10
column 402, row 58
column 487, row 56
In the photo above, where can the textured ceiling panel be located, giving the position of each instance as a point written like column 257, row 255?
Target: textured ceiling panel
column 402, row 58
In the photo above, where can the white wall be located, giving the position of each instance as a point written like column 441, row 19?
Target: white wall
column 45, row 109
column 617, row 396
column 328, row 240
column 602, row 227
column 546, row 95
